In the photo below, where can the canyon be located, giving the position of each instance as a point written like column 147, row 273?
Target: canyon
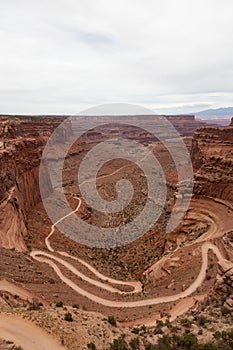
column 212, row 155
column 157, row 271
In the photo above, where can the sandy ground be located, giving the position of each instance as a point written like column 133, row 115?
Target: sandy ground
column 26, row 334
column 6, row 286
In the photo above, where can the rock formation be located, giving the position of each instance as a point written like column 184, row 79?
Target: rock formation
column 224, row 282
column 184, row 124
column 212, row 156
column 21, row 146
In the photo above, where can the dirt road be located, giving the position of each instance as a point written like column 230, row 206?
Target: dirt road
column 49, row 259
column 127, row 304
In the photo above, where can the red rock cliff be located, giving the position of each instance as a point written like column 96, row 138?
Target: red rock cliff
column 20, row 155
column 212, row 155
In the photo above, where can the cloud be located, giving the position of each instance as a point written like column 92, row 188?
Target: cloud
column 61, row 56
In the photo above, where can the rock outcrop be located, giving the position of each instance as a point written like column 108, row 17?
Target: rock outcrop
column 21, row 146
column 224, row 282
column 212, row 156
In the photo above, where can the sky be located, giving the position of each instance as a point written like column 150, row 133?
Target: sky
column 63, row 56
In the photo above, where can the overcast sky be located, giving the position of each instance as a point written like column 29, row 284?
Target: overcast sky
column 61, row 56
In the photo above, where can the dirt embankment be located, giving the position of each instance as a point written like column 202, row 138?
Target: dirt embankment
column 26, row 334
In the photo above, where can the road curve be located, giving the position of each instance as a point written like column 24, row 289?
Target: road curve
column 138, row 303
column 49, row 259
column 36, row 255
column 137, row 286
column 53, row 226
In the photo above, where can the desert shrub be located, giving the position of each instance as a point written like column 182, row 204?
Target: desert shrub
column 225, row 310
column 119, row 344
column 186, row 323
column 135, row 330
column 112, row 321
column 201, row 320
column 159, row 323
column 91, row 346
column 158, row 330
column 34, row 305
column 134, row 343
column 68, row 317
column 223, row 341
column 59, row 304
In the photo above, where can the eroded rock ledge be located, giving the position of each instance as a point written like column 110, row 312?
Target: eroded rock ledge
column 212, row 156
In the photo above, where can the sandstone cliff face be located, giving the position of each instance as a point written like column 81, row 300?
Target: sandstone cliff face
column 212, row 155
column 19, row 190
column 19, row 184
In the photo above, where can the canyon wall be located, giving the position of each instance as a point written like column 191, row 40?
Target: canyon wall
column 184, row 124
column 21, row 146
column 212, row 157
column 22, row 141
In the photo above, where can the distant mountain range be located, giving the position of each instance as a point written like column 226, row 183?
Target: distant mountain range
column 218, row 112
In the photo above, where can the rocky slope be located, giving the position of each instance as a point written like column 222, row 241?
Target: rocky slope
column 212, row 156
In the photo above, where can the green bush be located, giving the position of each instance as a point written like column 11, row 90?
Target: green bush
column 59, row 304
column 225, row 310
column 119, row 344
column 134, row 343
column 223, row 341
column 112, row 321
column 135, row 330
column 91, row 346
column 68, row 317
column 201, row 320
column 186, row 323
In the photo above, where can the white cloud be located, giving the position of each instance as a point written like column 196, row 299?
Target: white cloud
column 60, row 56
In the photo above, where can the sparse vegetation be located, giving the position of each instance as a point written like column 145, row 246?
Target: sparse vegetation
column 68, row 317
column 186, row 323
column 119, row 344
column 112, row 320
column 59, row 304
column 225, row 310
column 135, row 343
column 201, row 320
column 91, row 346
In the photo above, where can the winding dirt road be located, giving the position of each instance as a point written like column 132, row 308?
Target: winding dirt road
column 129, row 304
column 50, row 259
column 32, row 337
